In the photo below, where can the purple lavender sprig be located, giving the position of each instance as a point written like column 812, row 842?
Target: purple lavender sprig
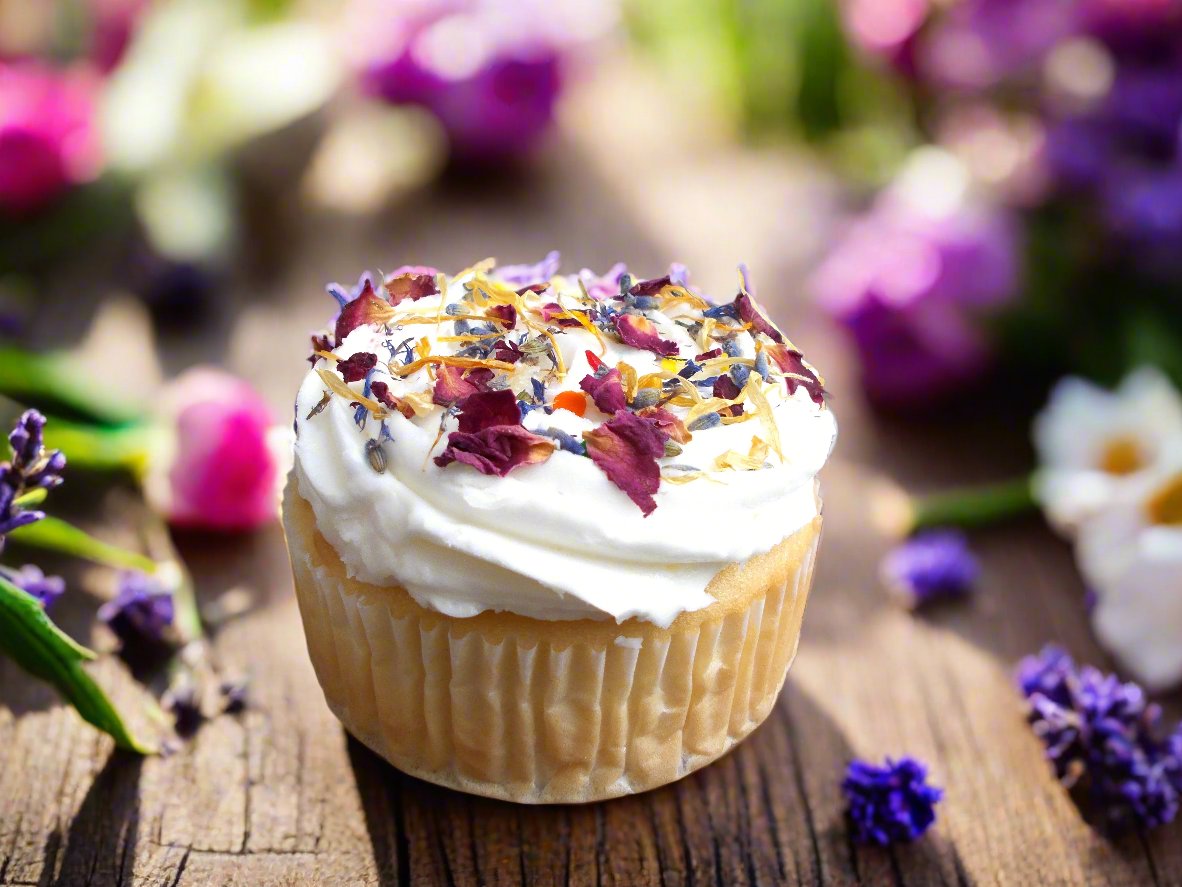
column 141, row 612
column 32, row 467
column 932, row 565
column 31, row 580
column 889, row 804
column 1104, row 736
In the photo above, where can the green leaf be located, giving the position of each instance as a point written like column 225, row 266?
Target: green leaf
column 97, row 448
column 33, row 642
column 54, row 534
column 46, row 381
column 972, row 507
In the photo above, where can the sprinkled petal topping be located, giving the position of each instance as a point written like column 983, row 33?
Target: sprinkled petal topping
column 453, row 384
column 365, row 309
column 640, row 332
column 626, row 449
column 524, row 275
column 889, row 804
column 751, row 313
column 411, row 284
column 496, row 450
column 355, row 368
column 606, row 391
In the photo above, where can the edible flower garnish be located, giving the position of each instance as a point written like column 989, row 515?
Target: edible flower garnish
column 491, row 437
column 626, row 448
column 606, row 390
column 640, row 332
column 497, row 350
column 930, row 566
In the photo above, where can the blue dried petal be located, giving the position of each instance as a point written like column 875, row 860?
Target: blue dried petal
column 646, row 303
column 731, row 348
column 690, row 370
column 720, row 312
column 539, row 390
column 565, row 441
column 761, row 366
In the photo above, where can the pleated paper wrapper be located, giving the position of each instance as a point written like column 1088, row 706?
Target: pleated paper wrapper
column 549, row 711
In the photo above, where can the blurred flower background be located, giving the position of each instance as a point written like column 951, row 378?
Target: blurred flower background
column 969, row 208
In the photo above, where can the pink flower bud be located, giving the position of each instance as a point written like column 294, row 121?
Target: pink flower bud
column 220, row 473
column 48, row 138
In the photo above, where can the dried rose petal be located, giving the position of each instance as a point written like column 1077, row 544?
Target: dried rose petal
column 509, row 352
column 355, row 367
column 750, row 313
column 607, row 391
column 487, row 409
column 453, row 384
column 535, row 288
column 381, row 391
column 410, row 285
column 640, row 332
column 667, row 423
column 550, row 310
column 626, row 448
column 366, row 308
column 709, row 355
column 791, row 361
column 650, row 287
column 725, row 387
column 496, row 450
column 506, row 315
column 320, row 342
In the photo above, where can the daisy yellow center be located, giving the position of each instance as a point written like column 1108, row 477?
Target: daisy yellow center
column 1122, row 455
column 1165, row 505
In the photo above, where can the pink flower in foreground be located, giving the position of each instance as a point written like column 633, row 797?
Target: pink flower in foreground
column 221, row 474
column 48, row 138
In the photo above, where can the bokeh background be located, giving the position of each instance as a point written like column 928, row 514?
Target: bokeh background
column 948, row 205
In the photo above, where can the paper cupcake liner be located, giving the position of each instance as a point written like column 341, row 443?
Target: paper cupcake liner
column 549, row 712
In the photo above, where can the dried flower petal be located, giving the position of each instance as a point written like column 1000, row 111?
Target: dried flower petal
column 524, row 275
column 799, row 374
column 607, row 391
column 506, row 315
column 509, row 352
column 667, row 423
column 751, row 313
column 453, row 384
column 31, row 580
column 640, row 332
column 626, row 448
column 365, row 309
column 488, row 409
column 650, row 287
column 320, row 342
column 354, row 368
column 411, row 285
column 496, row 449
column 381, row 391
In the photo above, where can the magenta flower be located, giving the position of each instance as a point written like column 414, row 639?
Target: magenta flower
column 48, row 138
column 909, row 284
column 220, row 475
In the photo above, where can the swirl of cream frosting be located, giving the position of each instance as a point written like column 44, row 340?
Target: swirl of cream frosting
column 555, row 540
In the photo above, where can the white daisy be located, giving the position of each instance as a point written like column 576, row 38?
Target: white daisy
column 1131, row 555
column 1091, row 442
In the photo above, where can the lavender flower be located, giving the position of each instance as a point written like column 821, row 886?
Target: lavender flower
column 32, row 467
column 892, row 803
column 183, row 703
column 932, row 565
column 1104, row 735
column 30, row 579
column 141, row 612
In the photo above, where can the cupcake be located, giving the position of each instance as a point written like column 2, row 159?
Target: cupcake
column 552, row 536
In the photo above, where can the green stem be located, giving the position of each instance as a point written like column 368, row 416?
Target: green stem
column 54, row 534
column 972, row 507
column 32, row 498
column 48, row 382
column 94, row 448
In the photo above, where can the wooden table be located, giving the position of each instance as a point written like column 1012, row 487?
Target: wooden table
column 280, row 795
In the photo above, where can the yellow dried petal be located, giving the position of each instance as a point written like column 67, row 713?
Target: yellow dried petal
column 337, row 385
column 758, row 401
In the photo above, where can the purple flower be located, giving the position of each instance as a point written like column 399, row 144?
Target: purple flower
column 32, row 467
column 526, row 275
column 48, row 138
column 30, row 579
column 909, row 286
column 490, row 73
column 889, row 804
column 936, row 564
column 1104, row 735
column 184, row 704
column 141, row 613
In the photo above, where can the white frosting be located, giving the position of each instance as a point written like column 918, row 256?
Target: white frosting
column 555, row 540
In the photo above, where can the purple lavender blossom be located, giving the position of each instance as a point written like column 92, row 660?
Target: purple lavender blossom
column 524, row 275
column 32, row 467
column 932, row 565
column 1104, row 735
column 141, row 612
column 183, row 703
column 30, row 579
column 909, row 286
column 889, row 804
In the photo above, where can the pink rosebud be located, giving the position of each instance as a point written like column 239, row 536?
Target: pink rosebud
column 220, row 474
column 48, row 139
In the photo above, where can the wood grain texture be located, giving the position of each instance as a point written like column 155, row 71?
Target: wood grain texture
column 280, row 796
